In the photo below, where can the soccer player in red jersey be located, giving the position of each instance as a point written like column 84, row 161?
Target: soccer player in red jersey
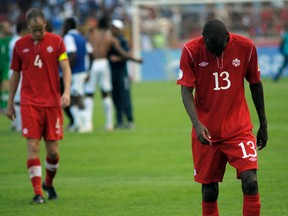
column 212, row 72
column 37, row 57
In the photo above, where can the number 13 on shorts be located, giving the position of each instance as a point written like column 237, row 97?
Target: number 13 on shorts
column 248, row 149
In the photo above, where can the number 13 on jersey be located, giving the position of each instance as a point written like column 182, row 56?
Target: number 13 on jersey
column 225, row 77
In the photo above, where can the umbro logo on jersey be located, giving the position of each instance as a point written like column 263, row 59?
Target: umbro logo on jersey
column 26, row 50
column 50, row 49
column 180, row 74
column 203, row 64
column 236, row 62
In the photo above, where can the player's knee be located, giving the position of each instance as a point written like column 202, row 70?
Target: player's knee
column 210, row 192
column 249, row 182
column 250, row 186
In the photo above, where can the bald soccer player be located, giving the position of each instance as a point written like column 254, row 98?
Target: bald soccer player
column 37, row 57
column 213, row 68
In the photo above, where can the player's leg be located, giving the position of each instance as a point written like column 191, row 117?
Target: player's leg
column 210, row 194
column 34, row 169
column 32, row 126
column 108, row 109
column 75, row 114
column 51, row 165
column 106, row 89
column 79, row 90
column 89, row 90
column 128, row 110
column 5, row 86
column 74, row 106
column 116, row 96
column 242, row 154
column 280, row 71
column 53, row 132
column 251, row 203
column 209, row 168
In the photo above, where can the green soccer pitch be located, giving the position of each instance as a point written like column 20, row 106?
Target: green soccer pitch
column 146, row 171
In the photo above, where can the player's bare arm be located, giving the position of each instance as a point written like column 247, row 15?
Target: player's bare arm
column 258, row 99
column 14, row 81
column 201, row 131
column 65, row 98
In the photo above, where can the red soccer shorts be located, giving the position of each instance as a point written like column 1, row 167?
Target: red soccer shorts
column 210, row 161
column 46, row 122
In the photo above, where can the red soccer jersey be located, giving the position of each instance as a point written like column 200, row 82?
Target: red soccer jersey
column 39, row 66
column 219, row 84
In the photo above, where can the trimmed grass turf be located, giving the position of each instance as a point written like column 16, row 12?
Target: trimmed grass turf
column 147, row 171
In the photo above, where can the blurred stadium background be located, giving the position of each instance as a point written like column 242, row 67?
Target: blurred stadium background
column 157, row 29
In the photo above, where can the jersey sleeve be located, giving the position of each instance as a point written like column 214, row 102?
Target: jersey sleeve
column 186, row 76
column 16, row 61
column 70, row 44
column 253, row 72
column 62, row 55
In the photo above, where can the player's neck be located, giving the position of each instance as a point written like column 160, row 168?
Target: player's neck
column 37, row 41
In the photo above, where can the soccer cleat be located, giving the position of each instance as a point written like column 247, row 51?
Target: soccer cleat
column 37, row 199
column 119, row 126
column 130, row 125
column 52, row 195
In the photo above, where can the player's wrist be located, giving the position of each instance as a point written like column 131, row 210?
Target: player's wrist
column 263, row 125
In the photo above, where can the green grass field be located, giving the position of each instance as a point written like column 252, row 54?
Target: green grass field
column 146, row 171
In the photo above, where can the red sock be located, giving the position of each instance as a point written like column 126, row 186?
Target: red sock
column 210, row 209
column 34, row 169
column 251, row 205
column 51, row 169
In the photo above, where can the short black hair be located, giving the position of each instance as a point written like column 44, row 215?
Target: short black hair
column 70, row 23
column 213, row 26
column 33, row 13
column 103, row 22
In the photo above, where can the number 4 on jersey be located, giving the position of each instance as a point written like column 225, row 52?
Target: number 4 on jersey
column 38, row 62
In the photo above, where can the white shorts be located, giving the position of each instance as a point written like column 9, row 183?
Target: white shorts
column 18, row 91
column 78, row 81
column 100, row 75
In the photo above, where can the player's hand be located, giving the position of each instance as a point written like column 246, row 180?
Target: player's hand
column 10, row 113
column 65, row 100
column 262, row 137
column 203, row 134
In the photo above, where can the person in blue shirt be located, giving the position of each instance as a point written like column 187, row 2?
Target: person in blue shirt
column 78, row 50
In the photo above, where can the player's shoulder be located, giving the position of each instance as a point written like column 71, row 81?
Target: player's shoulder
column 241, row 40
column 194, row 43
column 23, row 40
column 194, row 46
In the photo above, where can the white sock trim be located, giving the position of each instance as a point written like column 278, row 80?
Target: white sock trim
column 51, row 167
column 35, row 171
